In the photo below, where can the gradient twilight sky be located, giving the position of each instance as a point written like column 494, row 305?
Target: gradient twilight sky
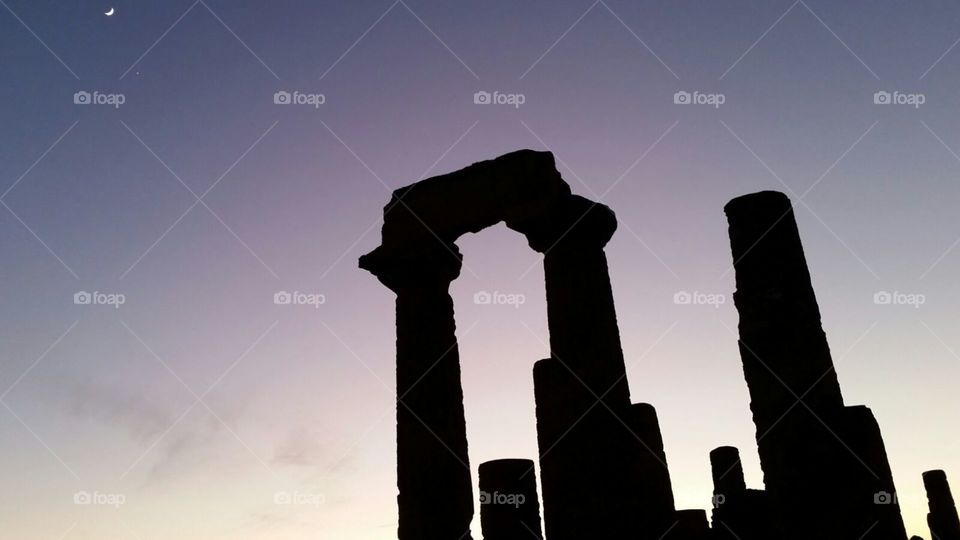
column 199, row 399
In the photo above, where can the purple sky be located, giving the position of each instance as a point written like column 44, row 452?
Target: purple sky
column 198, row 198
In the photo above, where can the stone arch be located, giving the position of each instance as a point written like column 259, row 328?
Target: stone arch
column 418, row 259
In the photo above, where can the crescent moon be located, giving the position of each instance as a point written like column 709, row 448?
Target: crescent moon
column 110, row 13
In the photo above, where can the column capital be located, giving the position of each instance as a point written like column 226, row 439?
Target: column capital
column 577, row 223
column 433, row 266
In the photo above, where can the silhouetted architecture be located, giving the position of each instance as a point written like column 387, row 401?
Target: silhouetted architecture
column 738, row 513
column 654, row 490
column 509, row 507
column 418, row 259
column 942, row 519
column 603, row 467
column 825, row 467
column 433, row 474
column 691, row 525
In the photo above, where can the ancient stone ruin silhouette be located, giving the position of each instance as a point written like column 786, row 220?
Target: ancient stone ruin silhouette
column 942, row 518
column 603, row 470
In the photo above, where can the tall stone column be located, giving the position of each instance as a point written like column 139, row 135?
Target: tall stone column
column 782, row 343
column 589, row 479
column 805, row 436
column 433, row 475
column 785, row 356
column 580, row 311
column 942, row 519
